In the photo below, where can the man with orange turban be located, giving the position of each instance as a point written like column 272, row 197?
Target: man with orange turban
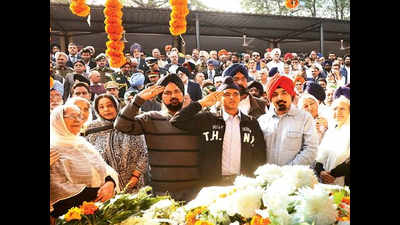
column 288, row 131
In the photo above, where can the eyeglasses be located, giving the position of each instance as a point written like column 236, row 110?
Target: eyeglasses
column 228, row 95
column 256, row 55
column 78, row 118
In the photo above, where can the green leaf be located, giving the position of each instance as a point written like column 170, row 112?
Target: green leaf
column 338, row 196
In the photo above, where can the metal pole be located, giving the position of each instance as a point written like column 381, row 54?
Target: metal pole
column 322, row 39
column 197, row 31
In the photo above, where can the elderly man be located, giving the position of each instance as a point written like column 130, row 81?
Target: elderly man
column 173, row 152
column 276, row 62
column 288, row 131
column 309, row 103
column 249, row 105
column 96, row 87
column 212, row 70
column 173, row 57
column 104, row 70
column 79, row 74
column 61, row 67
column 56, row 93
column 231, row 142
column 157, row 55
column 73, row 54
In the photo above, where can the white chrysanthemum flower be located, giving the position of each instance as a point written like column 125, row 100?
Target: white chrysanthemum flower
column 281, row 216
column 179, row 216
column 207, row 196
column 245, row 202
column 276, row 196
column 316, row 205
column 242, row 182
column 303, row 176
column 269, row 172
column 235, row 223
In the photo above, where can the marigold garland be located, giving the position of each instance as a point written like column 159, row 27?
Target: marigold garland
column 79, row 8
column 291, row 4
column 177, row 23
column 113, row 21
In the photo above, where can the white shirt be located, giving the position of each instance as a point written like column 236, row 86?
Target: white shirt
column 231, row 147
column 279, row 64
column 244, row 105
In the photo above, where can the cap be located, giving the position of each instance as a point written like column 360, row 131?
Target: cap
column 111, row 84
column 150, row 61
column 100, row 56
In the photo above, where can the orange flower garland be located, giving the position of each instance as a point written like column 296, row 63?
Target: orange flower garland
column 79, row 8
column 114, row 29
column 177, row 23
column 291, row 4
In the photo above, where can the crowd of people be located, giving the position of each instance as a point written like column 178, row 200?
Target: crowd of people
column 181, row 122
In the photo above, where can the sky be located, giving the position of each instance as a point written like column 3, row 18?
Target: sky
column 226, row 5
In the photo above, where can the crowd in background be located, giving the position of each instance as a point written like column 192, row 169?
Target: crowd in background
column 299, row 103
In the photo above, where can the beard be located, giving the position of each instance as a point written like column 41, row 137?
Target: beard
column 281, row 106
column 243, row 90
column 174, row 105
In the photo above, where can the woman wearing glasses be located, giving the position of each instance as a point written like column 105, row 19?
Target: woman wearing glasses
column 127, row 154
column 80, row 173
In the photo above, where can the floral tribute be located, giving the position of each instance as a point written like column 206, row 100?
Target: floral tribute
column 113, row 21
column 79, row 8
column 291, row 4
column 287, row 195
column 177, row 23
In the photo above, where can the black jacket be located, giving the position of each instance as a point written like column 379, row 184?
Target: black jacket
column 210, row 127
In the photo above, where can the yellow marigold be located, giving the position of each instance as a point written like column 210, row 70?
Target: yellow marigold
column 291, row 4
column 223, row 195
column 258, row 220
column 191, row 216
column 88, row 208
column 178, row 15
column 51, row 82
column 73, row 214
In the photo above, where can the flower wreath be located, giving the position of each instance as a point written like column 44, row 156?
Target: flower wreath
column 79, row 8
column 177, row 23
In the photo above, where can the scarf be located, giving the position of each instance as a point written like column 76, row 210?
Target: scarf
column 80, row 165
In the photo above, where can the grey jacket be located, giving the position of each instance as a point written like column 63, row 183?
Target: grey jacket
column 173, row 153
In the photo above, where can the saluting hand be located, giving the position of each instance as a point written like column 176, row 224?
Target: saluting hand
column 151, row 92
column 211, row 99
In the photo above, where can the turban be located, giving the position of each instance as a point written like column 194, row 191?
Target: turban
column 135, row 46
column 315, row 90
column 165, row 80
column 273, row 71
column 228, row 84
column 235, row 68
column 299, row 78
column 280, row 81
column 345, row 91
column 257, row 85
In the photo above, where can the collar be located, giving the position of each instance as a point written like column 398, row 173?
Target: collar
column 226, row 116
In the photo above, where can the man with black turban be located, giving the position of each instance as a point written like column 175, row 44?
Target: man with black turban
column 173, row 152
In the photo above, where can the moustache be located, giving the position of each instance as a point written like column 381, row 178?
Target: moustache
column 280, row 102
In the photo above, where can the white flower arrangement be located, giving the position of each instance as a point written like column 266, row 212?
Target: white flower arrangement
column 315, row 205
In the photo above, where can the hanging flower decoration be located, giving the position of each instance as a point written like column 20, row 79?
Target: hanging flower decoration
column 291, row 4
column 114, row 29
column 177, row 23
column 79, row 8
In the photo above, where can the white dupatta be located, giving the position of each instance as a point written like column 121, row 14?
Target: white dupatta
column 80, row 164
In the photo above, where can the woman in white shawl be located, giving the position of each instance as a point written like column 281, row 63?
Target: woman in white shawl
column 80, row 174
column 86, row 110
column 334, row 150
